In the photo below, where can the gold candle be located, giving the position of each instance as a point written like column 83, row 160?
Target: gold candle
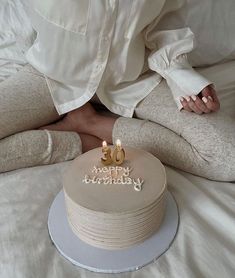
column 106, row 159
column 118, row 153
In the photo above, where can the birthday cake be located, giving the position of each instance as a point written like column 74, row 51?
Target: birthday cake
column 115, row 206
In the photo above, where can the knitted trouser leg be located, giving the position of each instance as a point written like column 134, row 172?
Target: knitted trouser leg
column 25, row 105
column 200, row 144
column 38, row 147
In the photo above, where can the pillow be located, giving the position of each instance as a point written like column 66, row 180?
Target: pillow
column 213, row 24
column 16, row 36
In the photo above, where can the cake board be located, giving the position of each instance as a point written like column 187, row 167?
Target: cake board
column 110, row 261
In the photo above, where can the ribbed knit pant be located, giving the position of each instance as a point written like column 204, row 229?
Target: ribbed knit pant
column 25, row 105
column 200, row 144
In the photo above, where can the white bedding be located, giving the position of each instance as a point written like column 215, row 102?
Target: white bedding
column 205, row 242
column 16, row 36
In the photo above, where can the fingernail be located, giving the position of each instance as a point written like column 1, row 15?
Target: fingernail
column 187, row 98
column 204, row 99
column 181, row 99
column 193, row 97
column 210, row 98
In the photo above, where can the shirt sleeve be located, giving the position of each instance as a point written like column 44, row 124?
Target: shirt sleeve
column 168, row 57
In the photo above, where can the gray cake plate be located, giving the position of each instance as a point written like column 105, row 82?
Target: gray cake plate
column 110, row 261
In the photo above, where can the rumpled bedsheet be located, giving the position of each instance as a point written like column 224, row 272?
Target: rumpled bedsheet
column 16, row 36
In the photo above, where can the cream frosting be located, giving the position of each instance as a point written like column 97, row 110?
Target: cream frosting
column 114, row 207
column 113, row 175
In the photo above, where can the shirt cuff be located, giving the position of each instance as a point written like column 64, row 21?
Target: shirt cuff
column 185, row 82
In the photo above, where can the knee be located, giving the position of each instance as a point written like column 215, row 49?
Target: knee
column 218, row 158
column 219, row 171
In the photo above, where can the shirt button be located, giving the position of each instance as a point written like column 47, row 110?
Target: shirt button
column 106, row 38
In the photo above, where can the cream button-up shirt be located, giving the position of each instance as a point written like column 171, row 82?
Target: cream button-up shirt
column 111, row 48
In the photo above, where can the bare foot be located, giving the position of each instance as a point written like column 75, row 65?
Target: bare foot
column 77, row 120
column 87, row 121
column 89, row 142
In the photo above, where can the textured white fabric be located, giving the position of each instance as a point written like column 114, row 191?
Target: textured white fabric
column 171, row 62
column 204, row 245
column 213, row 24
column 99, row 48
column 16, row 36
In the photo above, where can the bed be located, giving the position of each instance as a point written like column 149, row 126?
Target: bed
column 204, row 245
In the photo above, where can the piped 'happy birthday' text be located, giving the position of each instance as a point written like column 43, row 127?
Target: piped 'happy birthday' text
column 113, row 175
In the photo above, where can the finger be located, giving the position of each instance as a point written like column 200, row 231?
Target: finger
column 185, row 104
column 210, row 104
column 200, row 104
column 193, row 106
column 206, row 92
column 210, row 91
column 213, row 101
column 214, row 95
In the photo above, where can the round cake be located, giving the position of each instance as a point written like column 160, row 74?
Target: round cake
column 115, row 206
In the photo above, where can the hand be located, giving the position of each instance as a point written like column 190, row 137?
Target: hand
column 205, row 102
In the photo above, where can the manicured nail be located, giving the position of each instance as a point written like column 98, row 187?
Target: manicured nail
column 181, row 99
column 187, row 98
column 210, row 98
column 193, row 97
column 204, row 99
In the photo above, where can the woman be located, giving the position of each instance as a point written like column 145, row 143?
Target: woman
column 112, row 52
